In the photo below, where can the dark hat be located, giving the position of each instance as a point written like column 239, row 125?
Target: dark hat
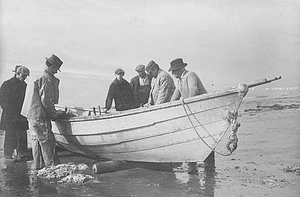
column 151, row 65
column 119, row 71
column 177, row 64
column 55, row 61
column 140, row 68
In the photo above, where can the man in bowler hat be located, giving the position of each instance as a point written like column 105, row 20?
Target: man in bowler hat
column 40, row 110
column 189, row 84
column 12, row 94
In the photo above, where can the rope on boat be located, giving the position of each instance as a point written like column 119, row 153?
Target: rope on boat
column 231, row 118
column 231, row 145
column 193, row 114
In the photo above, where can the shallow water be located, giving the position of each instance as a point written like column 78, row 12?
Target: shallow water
column 143, row 179
column 255, row 169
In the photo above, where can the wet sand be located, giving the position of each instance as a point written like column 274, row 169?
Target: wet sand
column 266, row 163
column 269, row 142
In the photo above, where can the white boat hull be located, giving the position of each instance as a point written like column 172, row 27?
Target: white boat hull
column 172, row 132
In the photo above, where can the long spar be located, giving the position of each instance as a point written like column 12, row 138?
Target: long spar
column 263, row 81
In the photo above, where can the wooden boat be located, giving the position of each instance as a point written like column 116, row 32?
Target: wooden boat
column 182, row 131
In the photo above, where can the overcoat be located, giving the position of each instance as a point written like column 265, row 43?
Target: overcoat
column 12, row 93
column 122, row 94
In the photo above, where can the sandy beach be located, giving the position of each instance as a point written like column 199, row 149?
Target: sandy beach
column 269, row 143
column 266, row 163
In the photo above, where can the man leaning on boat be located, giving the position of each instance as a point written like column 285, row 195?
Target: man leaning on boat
column 40, row 110
column 162, row 85
column 141, row 85
column 189, row 84
column 121, row 93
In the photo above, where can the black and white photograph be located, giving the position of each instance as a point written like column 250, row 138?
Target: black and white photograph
column 140, row 98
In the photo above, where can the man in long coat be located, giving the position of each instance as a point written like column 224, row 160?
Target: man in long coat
column 12, row 93
column 189, row 84
column 162, row 85
column 141, row 85
column 40, row 110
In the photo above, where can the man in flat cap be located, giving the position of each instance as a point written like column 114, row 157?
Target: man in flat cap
column 12, row 94
column 40, row 110
column 141, row 85
column 120, row 91
column 189, row 84
column 162, row 85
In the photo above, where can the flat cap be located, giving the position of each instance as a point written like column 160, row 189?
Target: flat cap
column 119, row 71
column 140, row 68
column 22, row 70
column 151, row 65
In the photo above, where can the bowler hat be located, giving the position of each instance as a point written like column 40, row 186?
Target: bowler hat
column 140, row 68
column 177, row 64
column 55, row 61
column 119, row 71
column 151, row 65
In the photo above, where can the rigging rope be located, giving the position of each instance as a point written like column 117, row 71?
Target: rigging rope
column 232, row 143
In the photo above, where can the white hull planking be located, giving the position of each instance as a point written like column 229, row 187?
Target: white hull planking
column 161, row 134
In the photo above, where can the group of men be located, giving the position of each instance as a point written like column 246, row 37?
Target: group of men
column 151, row 88
column 38, row 109
column 154, row 87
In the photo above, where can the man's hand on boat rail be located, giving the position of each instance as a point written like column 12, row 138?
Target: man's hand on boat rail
column 147, row 105
column 62, row 114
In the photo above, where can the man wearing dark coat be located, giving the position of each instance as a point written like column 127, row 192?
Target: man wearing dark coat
column 120, row 91
column 141, row 85
column 12, row 94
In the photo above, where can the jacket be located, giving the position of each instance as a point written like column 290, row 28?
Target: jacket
column 162, row 88
column 40, row 104
column 188, row 86
column 122, row 94
column 12, row 94
column 141, row 93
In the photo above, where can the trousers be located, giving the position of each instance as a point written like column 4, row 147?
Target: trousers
column 43, row 144
column 15, row 139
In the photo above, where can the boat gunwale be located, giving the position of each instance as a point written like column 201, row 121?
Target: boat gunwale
column 194, row 99
column 147, row 125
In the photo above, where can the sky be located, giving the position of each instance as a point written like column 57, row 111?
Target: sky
column 225, row 42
